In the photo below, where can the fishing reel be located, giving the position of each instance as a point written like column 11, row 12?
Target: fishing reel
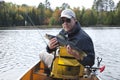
column 92, row 71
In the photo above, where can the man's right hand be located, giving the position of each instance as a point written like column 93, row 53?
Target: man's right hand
column 53, row 43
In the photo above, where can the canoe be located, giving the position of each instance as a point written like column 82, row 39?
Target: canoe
column 39, row 72
column 63, row 69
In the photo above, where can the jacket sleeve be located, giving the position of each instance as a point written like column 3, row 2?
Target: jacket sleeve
column 50, row 50
column 86, row 45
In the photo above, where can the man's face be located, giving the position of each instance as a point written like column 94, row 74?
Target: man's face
column 68, row 24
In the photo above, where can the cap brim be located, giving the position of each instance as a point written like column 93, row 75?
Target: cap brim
column 66, row 16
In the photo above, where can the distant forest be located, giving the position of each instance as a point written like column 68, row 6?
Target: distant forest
column 102, row 12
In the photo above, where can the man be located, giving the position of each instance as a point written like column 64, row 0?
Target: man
column 73, row 33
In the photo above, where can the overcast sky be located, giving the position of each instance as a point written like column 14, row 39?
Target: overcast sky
column 57, row 3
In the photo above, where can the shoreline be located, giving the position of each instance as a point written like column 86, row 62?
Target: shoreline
column 54, row 26
column 29, row 27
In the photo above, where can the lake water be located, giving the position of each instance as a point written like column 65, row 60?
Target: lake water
column 19, row 50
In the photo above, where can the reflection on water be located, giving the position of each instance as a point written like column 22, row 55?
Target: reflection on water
column 19, row 49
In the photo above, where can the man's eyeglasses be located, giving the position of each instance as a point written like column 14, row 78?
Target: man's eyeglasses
column 65, row 20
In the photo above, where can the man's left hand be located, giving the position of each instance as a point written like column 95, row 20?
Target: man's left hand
column 73, row 52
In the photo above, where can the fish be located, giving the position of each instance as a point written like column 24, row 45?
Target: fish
column 63, row 42
column 61, row 39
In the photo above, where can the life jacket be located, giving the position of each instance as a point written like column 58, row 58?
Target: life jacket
column 65, row 66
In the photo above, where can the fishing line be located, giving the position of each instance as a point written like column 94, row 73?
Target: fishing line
column 34, row 26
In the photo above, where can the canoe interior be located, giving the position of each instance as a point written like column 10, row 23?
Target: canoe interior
column 38, row 73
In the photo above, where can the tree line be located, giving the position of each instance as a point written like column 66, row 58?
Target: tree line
column 24, row 15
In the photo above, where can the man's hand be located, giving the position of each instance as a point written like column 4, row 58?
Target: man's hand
column 53, row 43
column 73, row 52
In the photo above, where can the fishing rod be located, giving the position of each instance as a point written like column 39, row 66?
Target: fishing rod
column 36, row 27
